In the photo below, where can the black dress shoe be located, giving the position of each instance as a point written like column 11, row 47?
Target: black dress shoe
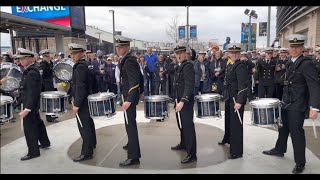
column 82, row 158
column 129, row 162
column 273, row 152
column 235, row 156
column 298, row 169
column 178, row 147
column 223, row 142
column 189, row 159
column 27, row 157
column 125, row 147
column 44, row 146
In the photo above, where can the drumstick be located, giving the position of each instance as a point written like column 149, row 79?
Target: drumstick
column 314, row 130
column 234, row 100
column 77, row 116
column 179, row 117
column 125, row 112
column 21, row 108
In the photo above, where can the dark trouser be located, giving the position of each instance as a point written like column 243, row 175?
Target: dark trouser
column 157, row 87
column 256, row 90
column 279, row 91
column 292, row 123
column 233, row 128
column 187, row 132
column 34, row 131
column 171, row 90
column 87, row 132
column 220, row 84
column 249, row 91
column 266, row 91
column 132, row 132
column 151, row 83
column 111, row 87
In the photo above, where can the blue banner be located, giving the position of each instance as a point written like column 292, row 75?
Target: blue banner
column 182, row 32
column 193, row 32
column 41, row 12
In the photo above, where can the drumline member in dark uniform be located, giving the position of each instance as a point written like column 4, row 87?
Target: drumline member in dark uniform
column 280, row 71
column 317, row 61
column 30, row 89
column 301, row 93
column 130, row 82
column 184, row 87
column 235, row 90
column 250, row 65
column 80, row 91
column 265, row 72
column 47, row 77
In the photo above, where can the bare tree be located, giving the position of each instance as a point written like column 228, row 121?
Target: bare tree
column 172, row 29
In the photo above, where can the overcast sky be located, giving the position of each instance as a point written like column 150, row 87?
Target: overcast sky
column 149, row 23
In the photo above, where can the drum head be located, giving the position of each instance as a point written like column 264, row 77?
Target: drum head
column 63, row 70
column 12, row 75
column 157, row 98
column 6, row 100
column 101, row 96
column 265, row 103
column 53, row 94
column 207, row 97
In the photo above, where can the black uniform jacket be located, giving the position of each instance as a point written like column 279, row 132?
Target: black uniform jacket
column 130, row 78
column 236, row 82
column 266, row 71
column 47, row 76
column 31, row 88
column 184, row 82
column 302, row 86
column 80, row 84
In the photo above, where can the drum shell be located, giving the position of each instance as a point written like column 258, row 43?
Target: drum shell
column 208, row 109
column 268, row 116
column 6, row 108
column 106, row 107
column 53, row 104
column 156, row 110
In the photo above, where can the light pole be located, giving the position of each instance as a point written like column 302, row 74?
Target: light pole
column 114, row 31
column 188, row 28
column 99, row 39
column 255, row 16
column 268, row 29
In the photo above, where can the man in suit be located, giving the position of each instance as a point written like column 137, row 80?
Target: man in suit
column 34, row 128
column 79, row 92
column 129, row 85
column 160, row 71
column 235, row 94
column 301, row 94
column 265, row 73
column 47, row 77
column 184, row 87
column 98, row 65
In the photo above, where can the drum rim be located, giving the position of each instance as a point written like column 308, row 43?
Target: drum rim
column 271, row 105
column 157, row 98
column 210, row 97
column 6, row 100
column 104, row 96
column 68, row 62
column 53, row 94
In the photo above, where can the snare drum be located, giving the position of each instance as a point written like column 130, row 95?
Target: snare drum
column 6, row 109
column 12, row 75
column 102, row 104
column 156, row 107
column 63, row 70
column 208, row 105
column 53, row 102
column 265, row 111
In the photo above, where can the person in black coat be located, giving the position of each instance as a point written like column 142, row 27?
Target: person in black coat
column 265, row 72
column 172, row 72
column 280, row 71
column 184, row 86
column 217, row 68
column 317, row 61
column 130, row 81
column 30, row 89
column 235, row 95
column 250, row 65
column 47, row 77
column 301, row 94
column 79, row 92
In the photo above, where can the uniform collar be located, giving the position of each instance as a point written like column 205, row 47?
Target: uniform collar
column 294, row 59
